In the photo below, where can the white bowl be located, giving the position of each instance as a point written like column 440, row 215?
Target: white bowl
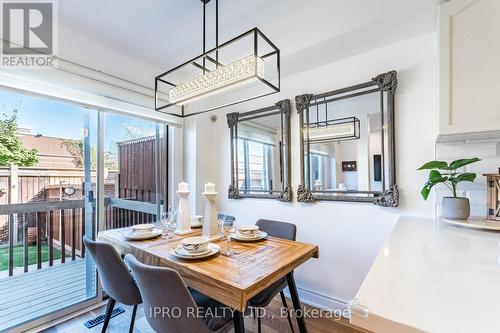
column 141, row 229
column 248, row 230
column 195, row 244
column 197, row 219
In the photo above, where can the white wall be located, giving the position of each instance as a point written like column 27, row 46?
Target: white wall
column 349, row 235
column 348, row 151
column 81, row 50
column 489, row 153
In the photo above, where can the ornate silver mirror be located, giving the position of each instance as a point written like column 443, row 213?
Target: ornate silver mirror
column 347, row 143
column 260, row 153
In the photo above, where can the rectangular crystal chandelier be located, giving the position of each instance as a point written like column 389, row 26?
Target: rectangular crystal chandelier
column 239, row 72
column 334, row 130
column 242, row 69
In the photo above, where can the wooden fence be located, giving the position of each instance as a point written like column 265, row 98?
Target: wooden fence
column 40, row 185
column 33, row 185
column 46, row 206
column 137, row 179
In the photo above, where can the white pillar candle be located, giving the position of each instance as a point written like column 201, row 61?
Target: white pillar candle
column 183, row 214
column 183, row 187
column 210, row 226
column 209, row 188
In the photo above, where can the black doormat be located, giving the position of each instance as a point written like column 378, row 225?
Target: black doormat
column 100, row 319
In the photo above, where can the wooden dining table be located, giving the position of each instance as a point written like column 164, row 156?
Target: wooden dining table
column 231, row 280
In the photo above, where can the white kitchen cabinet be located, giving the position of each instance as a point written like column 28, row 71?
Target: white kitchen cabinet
column 469, row 61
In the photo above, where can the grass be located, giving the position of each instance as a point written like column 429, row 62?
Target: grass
column 19, row 256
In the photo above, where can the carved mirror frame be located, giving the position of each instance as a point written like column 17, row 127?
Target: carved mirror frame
column 383, row 83
column 285, row 193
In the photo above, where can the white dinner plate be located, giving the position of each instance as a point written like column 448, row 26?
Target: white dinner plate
column 178, row 252
column 179, row 249
column 135, row 236
column 260, row 236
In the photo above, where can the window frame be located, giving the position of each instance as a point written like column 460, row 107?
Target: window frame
column 267, row 155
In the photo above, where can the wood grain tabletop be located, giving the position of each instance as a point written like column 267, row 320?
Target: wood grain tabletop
column 230, row 280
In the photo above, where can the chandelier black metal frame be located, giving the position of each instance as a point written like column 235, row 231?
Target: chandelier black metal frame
column 210, row 67
column 330, row 124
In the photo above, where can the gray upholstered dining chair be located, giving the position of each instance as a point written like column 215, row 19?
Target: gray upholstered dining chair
column 115, row 278
column 163, row 288
column 261, row 300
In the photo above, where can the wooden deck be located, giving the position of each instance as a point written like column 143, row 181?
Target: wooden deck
column 28, row 296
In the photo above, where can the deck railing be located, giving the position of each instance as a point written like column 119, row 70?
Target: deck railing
column 60, row 226
column 51, row 222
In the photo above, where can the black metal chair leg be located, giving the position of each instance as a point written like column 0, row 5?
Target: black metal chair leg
column 296, row 303
column 132, row 320
column 109, row 310
column 285, row 304
column 259, row 321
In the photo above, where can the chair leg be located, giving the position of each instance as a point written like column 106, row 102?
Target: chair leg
column 109, row 310
column 285, row 304
column 296, row 302
column 259, row 321
column 132, row 320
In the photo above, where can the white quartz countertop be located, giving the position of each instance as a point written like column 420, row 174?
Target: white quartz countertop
column 433, row 277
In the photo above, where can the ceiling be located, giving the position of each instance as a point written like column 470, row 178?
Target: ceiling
column 165, row 33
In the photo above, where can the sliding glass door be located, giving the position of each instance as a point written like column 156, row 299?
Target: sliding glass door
column 64, row 167
column 134, row 179
column 47, row 170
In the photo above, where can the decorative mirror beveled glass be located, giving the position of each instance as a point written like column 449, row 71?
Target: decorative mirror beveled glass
column 347, row 143
column 260, row 153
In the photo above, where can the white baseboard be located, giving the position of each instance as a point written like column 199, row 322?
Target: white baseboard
column 320, row 301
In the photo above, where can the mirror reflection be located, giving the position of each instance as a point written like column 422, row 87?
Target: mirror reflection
column 260, row 153
column 258, row 145
column 345, row 146
column 347, row 143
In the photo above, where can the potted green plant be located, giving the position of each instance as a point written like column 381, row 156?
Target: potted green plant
column 454, row 207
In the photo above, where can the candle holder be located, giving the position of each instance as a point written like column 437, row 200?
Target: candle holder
column 210, row 225
column 183, row 214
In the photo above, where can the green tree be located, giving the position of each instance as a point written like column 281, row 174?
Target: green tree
column 12, row 151
column 138, row 131
column 75, row 148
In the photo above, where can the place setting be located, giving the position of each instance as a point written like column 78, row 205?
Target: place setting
column 200, row 247
column 195, row 248
column 248, row 233
column 143, row 232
